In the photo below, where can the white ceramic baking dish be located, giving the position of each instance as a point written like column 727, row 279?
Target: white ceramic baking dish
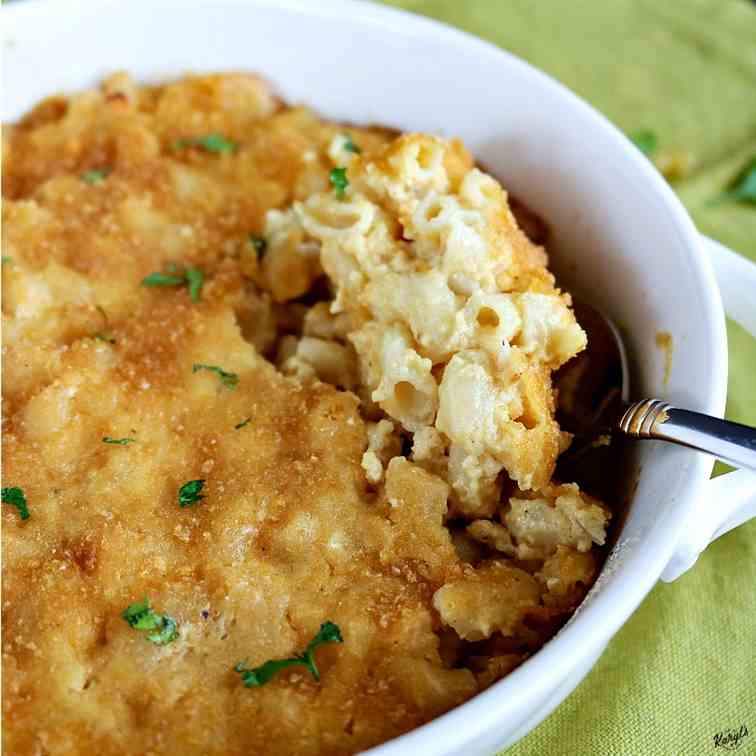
column 622, row 239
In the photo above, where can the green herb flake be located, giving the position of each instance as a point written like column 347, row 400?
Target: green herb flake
column 646, row 141
column 743, row 186
column 195, row 278
column 211, row 142
column 6, row 259
column 118, row 441
column 252, row 678
column 163, row 279
column 166, row 633
column 140, row 616
column 350, row 146
column 15, row 497
column 339, row 181
column 192, row 278
column 229, row 380
column 189, row 494
column 103, row 337
column 260, row 245
column 95, row 176
column 242, row 423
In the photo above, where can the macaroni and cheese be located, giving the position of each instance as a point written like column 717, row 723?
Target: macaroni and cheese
column 279, row 436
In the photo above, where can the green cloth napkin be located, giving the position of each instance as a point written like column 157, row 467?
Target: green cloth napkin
column 684, row 667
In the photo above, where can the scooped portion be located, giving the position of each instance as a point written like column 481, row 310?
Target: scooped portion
column 279, row 430
column 455, row 319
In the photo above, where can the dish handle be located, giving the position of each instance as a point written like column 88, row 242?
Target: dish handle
column 732, row 497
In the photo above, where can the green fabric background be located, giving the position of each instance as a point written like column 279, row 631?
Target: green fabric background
column 684, row 667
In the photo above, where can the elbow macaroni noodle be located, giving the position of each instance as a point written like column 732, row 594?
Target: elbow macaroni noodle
column 456, row 320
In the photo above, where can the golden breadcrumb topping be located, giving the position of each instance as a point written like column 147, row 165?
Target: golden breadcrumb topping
column 273, row 389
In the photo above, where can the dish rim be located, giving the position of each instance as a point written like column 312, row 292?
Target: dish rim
column 605, row 611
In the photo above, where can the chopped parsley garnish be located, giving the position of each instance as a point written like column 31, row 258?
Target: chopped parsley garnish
column 189, row 494
column 646, row 141
column 259, row 244
column 252, row 678
column 167, row 633
column 210, row 142
column 350, row 146
column 193, row 278
column 119, row 441
column 339, row 181
column 15, row 497
column 6, row 259
column 743, row 186
column 163, row 279
column 140, row 616
column 242, row 423
column 95, row 176
column 229, row 380
column 103, row 337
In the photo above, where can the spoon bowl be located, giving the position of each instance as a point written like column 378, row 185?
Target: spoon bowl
column 594, row 403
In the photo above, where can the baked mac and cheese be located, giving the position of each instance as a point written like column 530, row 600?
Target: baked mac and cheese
column 279, row 435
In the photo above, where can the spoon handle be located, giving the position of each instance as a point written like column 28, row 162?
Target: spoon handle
column 653, row 418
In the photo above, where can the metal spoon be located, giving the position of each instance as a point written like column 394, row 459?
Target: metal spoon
column 594, row 390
